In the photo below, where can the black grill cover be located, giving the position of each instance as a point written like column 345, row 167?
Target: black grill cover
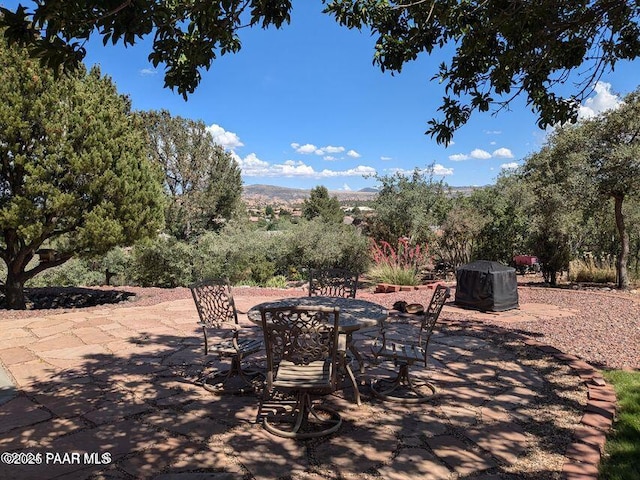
column 487, row 286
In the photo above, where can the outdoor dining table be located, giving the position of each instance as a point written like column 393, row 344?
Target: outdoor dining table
column 354, row 315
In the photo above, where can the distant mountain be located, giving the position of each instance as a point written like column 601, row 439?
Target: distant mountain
column 268, row 194
column 272, row 194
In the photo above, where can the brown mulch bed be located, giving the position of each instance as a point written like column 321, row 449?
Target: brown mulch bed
column 604, row 331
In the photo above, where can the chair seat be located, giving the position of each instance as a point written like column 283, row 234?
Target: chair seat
column 245, row 347
column 315, row 375
column 402, row 352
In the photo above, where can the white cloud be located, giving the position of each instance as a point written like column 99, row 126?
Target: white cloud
column 331, row 149
column 360, row 170
column 493, row 132
column 304, row 149
column 437, row 169
column 602, row 101
column 148, row 72
column 502, row 153
column 509, row 166
column 353, row 154
column 346, row 188
column 293, row 169
column 441, row 170
column 252, row 166
column 480, row 154
column 309, row 148
column 228, row 140
column 329, row 158
column 386, row 158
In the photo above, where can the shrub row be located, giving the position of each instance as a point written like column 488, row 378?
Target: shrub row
column 245, row 255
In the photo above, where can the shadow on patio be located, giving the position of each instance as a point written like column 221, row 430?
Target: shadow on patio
column 504, row 409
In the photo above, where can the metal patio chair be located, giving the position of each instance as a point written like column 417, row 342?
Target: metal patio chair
column 302, row 359
column 399, row 342
column 333, row 282
column 222, row 337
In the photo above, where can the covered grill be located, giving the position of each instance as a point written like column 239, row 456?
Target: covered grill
column 486, row 286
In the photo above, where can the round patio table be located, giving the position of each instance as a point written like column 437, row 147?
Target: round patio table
column 354, row 313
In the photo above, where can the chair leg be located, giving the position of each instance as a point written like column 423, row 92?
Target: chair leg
column 311, row 421
column 234, row 380
column 358, row 356
column 352, row 378
column 393, row 389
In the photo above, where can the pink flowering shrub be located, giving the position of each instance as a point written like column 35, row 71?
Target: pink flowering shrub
column 399, row 265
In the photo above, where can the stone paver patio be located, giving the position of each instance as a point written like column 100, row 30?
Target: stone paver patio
column 114, row 390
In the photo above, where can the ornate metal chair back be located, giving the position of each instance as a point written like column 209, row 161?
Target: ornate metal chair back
column 216, row 307
column 300, row 335
column 432, row 313
column 333, row 282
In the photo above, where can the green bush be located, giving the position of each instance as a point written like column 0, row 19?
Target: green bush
column 249, row 256
column 162, row 262
column 393, row 274
column 239, row 253
column 117, row 261
column 73, row 273
column 317, row 244
column 279, row 281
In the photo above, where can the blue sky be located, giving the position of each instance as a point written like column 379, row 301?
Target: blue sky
column 305, row 106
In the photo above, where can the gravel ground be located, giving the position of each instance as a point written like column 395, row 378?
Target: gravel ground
column 605, row 330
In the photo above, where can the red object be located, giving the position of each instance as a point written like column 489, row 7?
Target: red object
column 525, row 260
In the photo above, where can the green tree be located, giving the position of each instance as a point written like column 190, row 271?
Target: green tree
column 507, row 222
column 320, row 204
column 407, row 206
column 595, row 158
column 611, row 143
column 500, row 49
column 201, row 180
column 559, row 182
column 162, row 262
column 459, row 232
column 269, row 212
column 73, row 172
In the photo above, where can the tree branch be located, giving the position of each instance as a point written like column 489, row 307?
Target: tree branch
column 113, row 12
column 62, row 258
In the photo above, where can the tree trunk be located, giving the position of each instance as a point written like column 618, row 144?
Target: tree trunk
column 14, row 292
column 623, row 257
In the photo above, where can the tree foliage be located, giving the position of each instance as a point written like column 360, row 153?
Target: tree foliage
column 187, row 35
column 321, row 205
column 506, row 226
column 407, row 206
column 611, row 145
column 73, row 172
column 581, row 167
column 201, row 180
column 459, row 233
column 501, row 49
column 554, row 175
